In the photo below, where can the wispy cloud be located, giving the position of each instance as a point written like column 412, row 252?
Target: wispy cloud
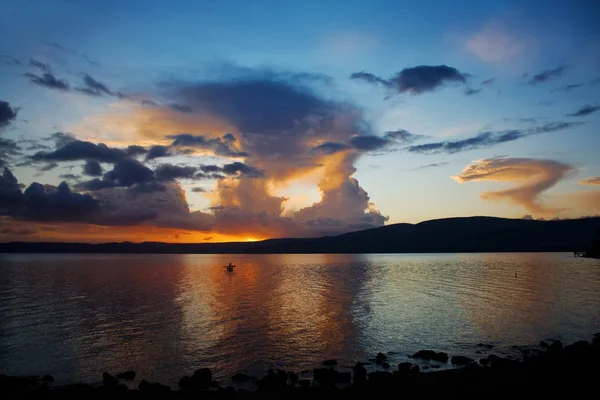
column 547, row 75
column 595, row 180
column 584, row 111
column 531, row 177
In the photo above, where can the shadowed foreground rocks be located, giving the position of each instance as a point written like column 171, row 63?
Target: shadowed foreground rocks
column 571, row 371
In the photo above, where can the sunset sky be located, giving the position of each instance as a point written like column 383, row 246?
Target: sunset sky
column 202, row 121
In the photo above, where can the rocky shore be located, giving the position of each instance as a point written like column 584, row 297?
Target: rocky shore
column 571, row 370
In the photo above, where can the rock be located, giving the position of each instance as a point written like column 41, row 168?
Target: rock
column 304, row 382
column 556, row 347
column 343, row 377
column 431, row 355
column 47, row 378
column 360, row 373
column 543, row 345
column 126, row 376
column 145, row 386
column 325, row 376
column 380, row 358
column 486, row 345
column 578, row 348
column 415, row 369
column 461, row 360
column 274, row 381
column 214, row 384
column 186, row 383
column 380, row 378
column 202, row 377
column 109, row 381
column 385, row 365
column 330, row 363
column 484, row 361
column 293, row 378
column 404, row 368
column 241, row 378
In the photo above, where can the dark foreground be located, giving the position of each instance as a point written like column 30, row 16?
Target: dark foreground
column 573, row 370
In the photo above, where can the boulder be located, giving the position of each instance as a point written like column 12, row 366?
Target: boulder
column 241, row 378
column 109, row 381
column 126, row 376
column 431, row 355
column 404, row 368
column 360, row 373
column 325, row 376
column 461, row 360
column 380, row 358
column 202, row 377
column 556, row 347
column 330, row 363
column 385, row 365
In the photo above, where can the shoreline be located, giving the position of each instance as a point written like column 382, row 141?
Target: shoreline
column 573, row 368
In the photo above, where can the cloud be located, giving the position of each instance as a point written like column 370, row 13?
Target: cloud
column 8, row 149
column 49, row 81
column 74, row 150
column 95, row 88
column 488, row 81
column 496, row 43
column 128, row 172
column 568, row 88
column 586, row 110
column 595, row 180
column 60, row 139
column 370, row 78
column 403, row 136
column 157, row 152
column 531, row 177
column 471, row 91
column 40, row 65
column 487, row 139
column 198, row 190
column 547, row 75
column 433, row 165
column 221, row 146
column 416, row 80
column 181, row 108
column 9, row 60
column 92, row 168
column 329, row 148
column 8, row 114
column 169, row 172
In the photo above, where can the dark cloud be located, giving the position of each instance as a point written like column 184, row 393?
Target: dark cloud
column 94, row 87
column 69, row 177
column 417, row 80
column 433, row 165
column 8, row 148
column 547, row 75
column 220, row 146
column 60, row 139
column 10, row 192
column 95, row 184
column 48, row 167
column 9, row 60
column 586, row 110
column 39, row 65
column 568, row 88
column 198, row 190
column 471, row 91
column 49, row 203
column 149, row 103
column 368, row 142
column 135, row 150
column 489, row 81
column 128, row 172
column 157, row 152
column 19, row 232
column 238, row 169
column 330, row 148
column 81, row 150
column 370, row 78
column 92, row 168
column 181, row 108
column 49, row 80
column 169, row 172
column 8, row 114
column 487, row 139
column 403, row 136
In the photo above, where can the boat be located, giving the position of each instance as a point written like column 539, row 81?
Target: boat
column 229, row 267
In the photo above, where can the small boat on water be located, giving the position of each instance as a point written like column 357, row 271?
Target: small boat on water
column 229, row 267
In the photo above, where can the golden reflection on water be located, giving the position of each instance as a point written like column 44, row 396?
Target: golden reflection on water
column 166, row 315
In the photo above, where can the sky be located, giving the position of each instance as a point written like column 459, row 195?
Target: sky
column 197, row 121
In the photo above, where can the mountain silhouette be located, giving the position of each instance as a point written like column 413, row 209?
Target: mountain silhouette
column 449, row 235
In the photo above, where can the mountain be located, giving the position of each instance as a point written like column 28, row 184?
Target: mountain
column 449, row 235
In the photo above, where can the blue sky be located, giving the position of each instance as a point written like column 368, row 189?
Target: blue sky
column 508, row 89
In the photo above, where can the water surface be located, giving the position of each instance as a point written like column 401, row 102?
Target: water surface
column 76, row 316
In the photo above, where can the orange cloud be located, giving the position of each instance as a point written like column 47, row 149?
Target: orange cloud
column 531, row 178
column 595, row 180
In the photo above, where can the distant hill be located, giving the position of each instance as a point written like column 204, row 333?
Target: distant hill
column 449, row 235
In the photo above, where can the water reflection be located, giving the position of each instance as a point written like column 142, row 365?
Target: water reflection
column 76, row 316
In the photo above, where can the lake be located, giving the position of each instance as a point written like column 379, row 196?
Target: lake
column 76, row 316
